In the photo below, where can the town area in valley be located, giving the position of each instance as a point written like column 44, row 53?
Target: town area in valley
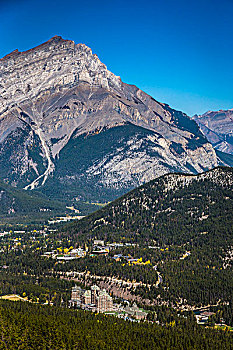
column 114, row 278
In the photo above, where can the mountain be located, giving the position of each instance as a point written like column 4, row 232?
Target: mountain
column 73, row 129
column 15, row 202
column 218, row 129
column 171, row 209
column 183, row 225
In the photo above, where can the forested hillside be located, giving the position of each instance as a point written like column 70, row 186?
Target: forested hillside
column 15, row 201
column 172, row 209
column 188, row 222
column 26, row 326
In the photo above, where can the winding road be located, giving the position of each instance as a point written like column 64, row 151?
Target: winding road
column 160, row 279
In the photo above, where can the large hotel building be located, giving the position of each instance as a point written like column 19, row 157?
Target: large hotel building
column 94, row 299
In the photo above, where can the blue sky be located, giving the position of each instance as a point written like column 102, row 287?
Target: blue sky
column 180, row 52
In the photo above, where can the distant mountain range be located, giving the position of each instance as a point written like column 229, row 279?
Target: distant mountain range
column 218, row 129
column 74, row 130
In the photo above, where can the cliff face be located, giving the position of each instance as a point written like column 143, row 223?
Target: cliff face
column 218, row 128
column 67, row 122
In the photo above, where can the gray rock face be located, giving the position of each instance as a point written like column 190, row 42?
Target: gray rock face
column 218, row 128
column 52, row 95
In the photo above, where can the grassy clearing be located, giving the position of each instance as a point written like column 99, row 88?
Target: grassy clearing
column 12, row 297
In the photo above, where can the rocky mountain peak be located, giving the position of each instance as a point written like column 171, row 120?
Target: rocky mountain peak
column 217, row 126
column 54, row 41
column 55, row 64
column 58, row 95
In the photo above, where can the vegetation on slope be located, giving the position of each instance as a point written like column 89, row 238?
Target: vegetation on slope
column 175, row 214
column 26, row 326
column 20, row 202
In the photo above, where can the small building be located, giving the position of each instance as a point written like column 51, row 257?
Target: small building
column 65, row 258
column 100, row 252
column 99, row 242
column 203, row 317
column 79, row 253
column 135, row 312
column 140, row 315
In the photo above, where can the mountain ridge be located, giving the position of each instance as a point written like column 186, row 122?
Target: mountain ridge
column 217, row 126
column 168, row 199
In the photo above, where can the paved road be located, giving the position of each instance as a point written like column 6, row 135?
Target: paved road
column 160, row 279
